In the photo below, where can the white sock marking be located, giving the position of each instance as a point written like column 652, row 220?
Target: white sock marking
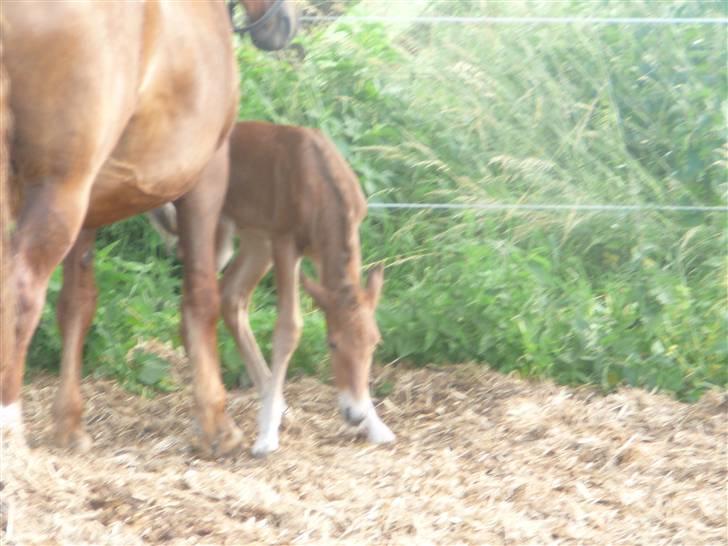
column 377, row 431
column 269, row 421
column 11, row 417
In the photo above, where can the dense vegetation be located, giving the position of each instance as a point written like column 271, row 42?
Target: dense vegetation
column 563, row 114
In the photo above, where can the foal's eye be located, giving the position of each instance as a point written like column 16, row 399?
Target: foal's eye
column 332, row 345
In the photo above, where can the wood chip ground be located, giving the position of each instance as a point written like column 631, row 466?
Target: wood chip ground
column 480, row 458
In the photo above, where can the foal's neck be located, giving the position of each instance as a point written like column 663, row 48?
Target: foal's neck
column 341, row 207
column 339, row 253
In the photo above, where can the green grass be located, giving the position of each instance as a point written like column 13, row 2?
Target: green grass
column 503, row 114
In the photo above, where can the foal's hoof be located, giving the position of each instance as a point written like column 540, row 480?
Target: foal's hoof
column 76, row 440
column 263, row 446
column 379, row 433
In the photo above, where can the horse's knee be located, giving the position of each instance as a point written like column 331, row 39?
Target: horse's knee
column 76, row 303
column 200, row 312
column 233, row 305
column 45, row 231
column 39, row 248
column 201, row 298
column 88, row 300
column 230, row 307
column 29, row 293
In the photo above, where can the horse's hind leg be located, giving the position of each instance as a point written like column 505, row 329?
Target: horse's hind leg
column 76, row 306
column 61, row 139
column 197, row 215
column 240, row 279
column 47, row 227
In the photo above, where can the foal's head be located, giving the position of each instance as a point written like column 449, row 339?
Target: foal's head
column 353, row 336
column 272, row 23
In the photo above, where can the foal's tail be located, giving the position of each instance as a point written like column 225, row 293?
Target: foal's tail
column 7, row 292
column 164, row 221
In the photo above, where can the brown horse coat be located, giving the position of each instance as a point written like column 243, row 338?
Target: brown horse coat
column 291, row 193
column 119, row 107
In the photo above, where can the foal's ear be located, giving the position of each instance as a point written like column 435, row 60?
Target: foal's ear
column 375, row 280
column 319, row 294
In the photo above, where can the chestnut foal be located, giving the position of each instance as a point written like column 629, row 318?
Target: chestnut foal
column 291, row 194
column 117, row 108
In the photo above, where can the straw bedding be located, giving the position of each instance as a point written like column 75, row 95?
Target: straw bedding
column 480, row 458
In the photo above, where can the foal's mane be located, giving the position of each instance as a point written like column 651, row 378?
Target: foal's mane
column 345, row 210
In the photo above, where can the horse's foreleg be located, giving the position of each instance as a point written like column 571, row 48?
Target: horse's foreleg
column 285, row 340
column 7, row 278
column 76, row 307
column 46, row 229
column 238, row 283
column 197, row 215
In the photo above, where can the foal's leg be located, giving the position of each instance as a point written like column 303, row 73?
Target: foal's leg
column 287, row 333
column 224, row 248
column 197, row 215
column 76, row 306
column 240, row 279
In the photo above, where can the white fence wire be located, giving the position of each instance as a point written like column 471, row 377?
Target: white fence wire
column 500, row 207
column 424, row 19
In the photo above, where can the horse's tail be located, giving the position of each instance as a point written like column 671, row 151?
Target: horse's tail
column 7, row 291
column 164, row 221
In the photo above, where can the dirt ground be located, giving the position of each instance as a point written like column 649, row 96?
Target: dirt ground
column 480, row 458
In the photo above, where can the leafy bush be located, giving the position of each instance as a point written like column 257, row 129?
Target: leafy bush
column 627, row 114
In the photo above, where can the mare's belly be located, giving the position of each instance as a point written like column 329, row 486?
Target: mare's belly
column 124, row 188
column 185, row 105
column 164, row 148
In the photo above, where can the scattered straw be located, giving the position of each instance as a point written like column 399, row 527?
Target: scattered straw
column 480, row 459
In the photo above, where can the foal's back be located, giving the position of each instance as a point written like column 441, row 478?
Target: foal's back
column 289, row 179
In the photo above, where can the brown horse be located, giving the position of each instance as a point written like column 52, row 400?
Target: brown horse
column 119, row 107
column 7, row 307
column 291, row 194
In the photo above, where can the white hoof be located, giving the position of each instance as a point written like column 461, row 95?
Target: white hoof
column 11, row 425
column 263, row 446
column 379, row 433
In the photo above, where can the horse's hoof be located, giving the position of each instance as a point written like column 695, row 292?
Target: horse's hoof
column 228, row 442
column 264, row 446
column 75, row 440
column 12, row 441
column 11, row 427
